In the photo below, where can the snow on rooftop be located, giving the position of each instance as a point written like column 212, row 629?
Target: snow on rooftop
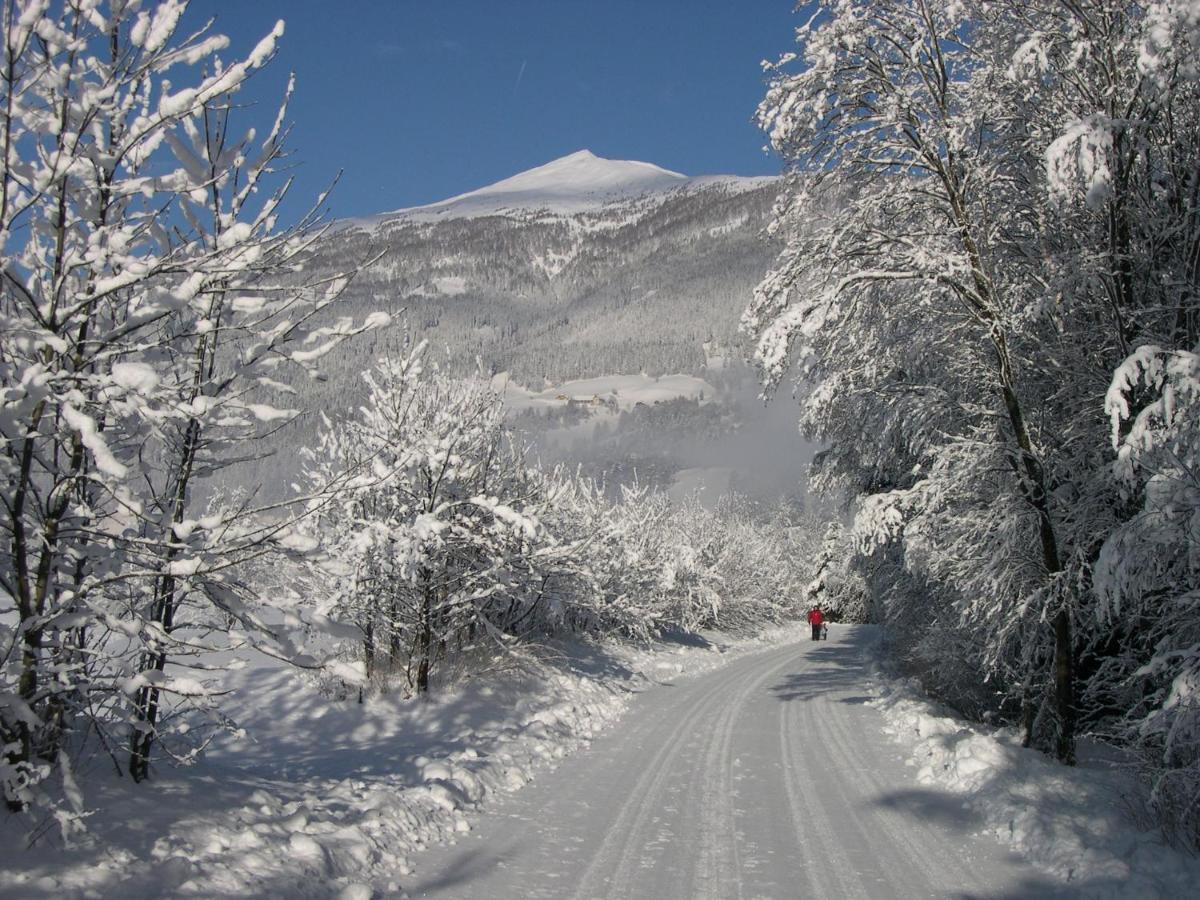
column 578, row 182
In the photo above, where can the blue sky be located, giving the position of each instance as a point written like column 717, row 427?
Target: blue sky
column 418, row 101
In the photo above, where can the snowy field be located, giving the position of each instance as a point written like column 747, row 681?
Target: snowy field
column 323, row 798
column 611, row 392
column 335, row 799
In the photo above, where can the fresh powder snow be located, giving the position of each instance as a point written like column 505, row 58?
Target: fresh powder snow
column 294, row 605
column 703, row 767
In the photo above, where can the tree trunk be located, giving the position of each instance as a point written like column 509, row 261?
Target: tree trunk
column 1064, row 687
column 425, row 638
column 1036, row 494
column 1031, row 475
column 148, row 700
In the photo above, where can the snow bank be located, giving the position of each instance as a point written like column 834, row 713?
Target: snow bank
column 1073, row 822
column 329, row 799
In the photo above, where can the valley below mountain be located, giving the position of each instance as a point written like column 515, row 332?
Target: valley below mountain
column 584, row 268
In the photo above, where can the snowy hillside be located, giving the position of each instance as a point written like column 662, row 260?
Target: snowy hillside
column 578, row 182
column 580, row 268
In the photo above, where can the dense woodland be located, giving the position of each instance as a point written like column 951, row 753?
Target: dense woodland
column 635, row 286
column 989, row 297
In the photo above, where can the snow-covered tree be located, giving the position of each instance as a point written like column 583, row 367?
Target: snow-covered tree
column 147, row 308
column 912, row 319
column 986, row 214
column 449, row 541
column 835, row 586
column 438, row 541
column 1148, row 575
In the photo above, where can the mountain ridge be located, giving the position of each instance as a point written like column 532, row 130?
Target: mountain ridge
column 652, row 284
column 576, row 183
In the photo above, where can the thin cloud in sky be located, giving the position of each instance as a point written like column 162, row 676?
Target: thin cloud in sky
column 520, row 75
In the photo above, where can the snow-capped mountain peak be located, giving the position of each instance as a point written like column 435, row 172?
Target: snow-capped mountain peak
column 576, row 183
column 581, row 175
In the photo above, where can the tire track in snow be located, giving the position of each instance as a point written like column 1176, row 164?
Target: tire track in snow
column 717, row 828
column 649, row 784
column 717, row 871
column 898, row 874
column 723, row 839
column 624, row 836
column 660, row 810
column 913, row 833
column 830, row 861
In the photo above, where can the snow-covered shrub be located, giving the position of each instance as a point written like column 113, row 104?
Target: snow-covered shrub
column 448, row 544
column 616, row 556
column 836, row 585
column 757, row 560
column 682, row 565
column 438, row 541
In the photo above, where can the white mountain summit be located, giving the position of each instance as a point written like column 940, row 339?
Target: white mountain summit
column 578, row 182
column 580, row 177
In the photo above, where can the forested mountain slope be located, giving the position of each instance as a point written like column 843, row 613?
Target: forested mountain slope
column 601, row 268
column 582, row 267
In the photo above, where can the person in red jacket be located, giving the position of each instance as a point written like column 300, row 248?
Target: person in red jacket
column 816, row 619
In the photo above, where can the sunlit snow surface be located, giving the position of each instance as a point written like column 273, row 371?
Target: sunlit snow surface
column 326, row 798
column 697, row 768
column 1073, row 822
column 580, row 182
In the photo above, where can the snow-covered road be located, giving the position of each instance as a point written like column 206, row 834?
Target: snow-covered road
column 769, row 777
